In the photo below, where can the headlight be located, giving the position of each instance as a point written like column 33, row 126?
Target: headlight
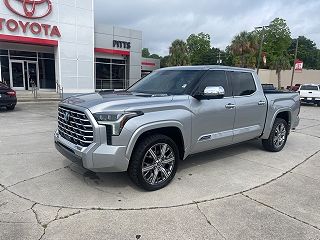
column 116, row 120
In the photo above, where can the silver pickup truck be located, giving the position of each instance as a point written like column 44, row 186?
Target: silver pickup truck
column 169, row 115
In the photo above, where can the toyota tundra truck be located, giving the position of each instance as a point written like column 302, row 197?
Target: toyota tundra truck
column 169, row 115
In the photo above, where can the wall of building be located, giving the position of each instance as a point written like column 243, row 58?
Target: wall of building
column 106, row 34
column 150, row 64
column 75, row 51
column 304, row 77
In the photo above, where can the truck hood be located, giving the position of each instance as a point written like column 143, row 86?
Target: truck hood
column 117, row 101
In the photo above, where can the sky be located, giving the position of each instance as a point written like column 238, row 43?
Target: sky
column 162, row 21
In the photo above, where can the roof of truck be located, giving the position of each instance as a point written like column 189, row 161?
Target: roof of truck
column 207, row 67
column 310, row 84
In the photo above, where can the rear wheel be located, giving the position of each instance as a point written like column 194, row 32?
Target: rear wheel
column 278, row 136
column 154, row 162
column 11, row 107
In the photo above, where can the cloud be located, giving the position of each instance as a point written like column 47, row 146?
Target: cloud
column 163, row 21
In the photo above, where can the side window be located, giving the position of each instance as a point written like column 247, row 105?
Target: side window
column 216, row 78
column 242, row 83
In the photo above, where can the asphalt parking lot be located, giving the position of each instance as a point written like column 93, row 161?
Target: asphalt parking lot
column 239, row 192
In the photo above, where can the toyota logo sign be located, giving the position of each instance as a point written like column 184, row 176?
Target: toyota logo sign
column 30, row 8
column 66, row 117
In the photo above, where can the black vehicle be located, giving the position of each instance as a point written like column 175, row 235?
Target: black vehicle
column 8, row 97
column 268, row 87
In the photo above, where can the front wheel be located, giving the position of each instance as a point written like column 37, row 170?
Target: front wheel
column 278, row 136
column 154, row 162
column 10, row 108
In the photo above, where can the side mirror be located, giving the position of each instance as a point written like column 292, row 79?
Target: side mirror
column 211, row 93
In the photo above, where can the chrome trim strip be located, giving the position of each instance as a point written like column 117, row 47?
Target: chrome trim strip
column 228, row 133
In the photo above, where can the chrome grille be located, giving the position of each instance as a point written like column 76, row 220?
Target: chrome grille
column 75, row 126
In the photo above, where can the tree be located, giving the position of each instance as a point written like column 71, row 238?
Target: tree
column 198, row 46
column 278, row 36
column 277, row 42
column 178, row 52
column 229, row 57
column 215, row 56
column 156, row 56
column 145, row 53
column 307, row 52
column 164, row 61
column 244, row 47
column 279, row 64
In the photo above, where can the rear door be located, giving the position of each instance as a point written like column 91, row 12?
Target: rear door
column 251, row 106
column 212, row 121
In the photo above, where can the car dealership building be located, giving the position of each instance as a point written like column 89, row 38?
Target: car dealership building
column 50, row 43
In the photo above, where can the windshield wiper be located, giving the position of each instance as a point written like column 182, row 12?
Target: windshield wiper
column 141, row 94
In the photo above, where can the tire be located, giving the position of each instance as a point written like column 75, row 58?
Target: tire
column 143, row 157
column 276, row 140
column 318, row 104
column 11, row 107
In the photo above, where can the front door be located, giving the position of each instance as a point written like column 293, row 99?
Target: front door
column 213, row 120
column 17, row 75
column 24, row 75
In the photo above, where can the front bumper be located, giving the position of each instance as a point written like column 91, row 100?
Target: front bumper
column 96, row 157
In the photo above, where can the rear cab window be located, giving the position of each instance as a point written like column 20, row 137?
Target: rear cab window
column 309, row 88
column 242, row 83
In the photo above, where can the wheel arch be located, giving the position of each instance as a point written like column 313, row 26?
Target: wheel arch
column 172, row 129
column 284, row 113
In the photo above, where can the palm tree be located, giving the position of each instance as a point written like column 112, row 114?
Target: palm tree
column 244, row 47
column 178, row 53
column 279, row 64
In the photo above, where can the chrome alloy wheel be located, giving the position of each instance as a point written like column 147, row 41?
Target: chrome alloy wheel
column 158, row 163
column 280, row 135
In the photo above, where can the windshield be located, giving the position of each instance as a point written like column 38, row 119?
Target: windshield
column 309, row 87
column 167, row 82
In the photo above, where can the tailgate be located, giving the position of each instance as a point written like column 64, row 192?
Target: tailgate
column 309, row 94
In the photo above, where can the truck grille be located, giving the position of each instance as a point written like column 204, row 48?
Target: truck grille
column 75, row 126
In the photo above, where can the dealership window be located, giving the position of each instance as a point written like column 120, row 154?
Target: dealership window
column 111, row 74
column 47, row 73
column 4, row 67
column 40, row 66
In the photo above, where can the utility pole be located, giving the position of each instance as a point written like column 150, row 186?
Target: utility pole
column 219, row 60
column 261, row 45
column 294, row 62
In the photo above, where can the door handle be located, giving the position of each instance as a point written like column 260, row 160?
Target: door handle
column 230, row 106
column 261, row 103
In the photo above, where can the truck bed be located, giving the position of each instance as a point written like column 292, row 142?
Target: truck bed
column 278, row 100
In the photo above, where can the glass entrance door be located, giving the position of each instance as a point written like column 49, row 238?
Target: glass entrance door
column 24, row 75
column 17, row 75
column 32, row 74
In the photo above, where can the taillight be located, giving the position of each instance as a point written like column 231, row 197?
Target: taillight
column 11, row 93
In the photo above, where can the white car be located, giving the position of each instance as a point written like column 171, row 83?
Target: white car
column 310, row 93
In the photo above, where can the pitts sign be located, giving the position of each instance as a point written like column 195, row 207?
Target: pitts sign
column 121, row 44
column 31, row 9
